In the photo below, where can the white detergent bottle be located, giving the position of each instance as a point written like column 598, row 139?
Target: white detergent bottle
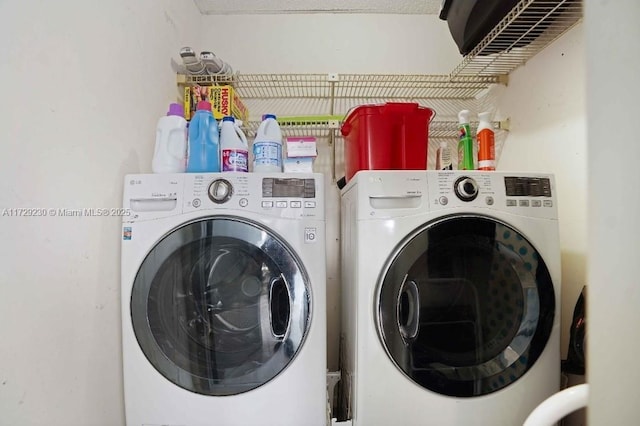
column 267, row 146
column 234, row 148
column 170, row 153
column 443, row 157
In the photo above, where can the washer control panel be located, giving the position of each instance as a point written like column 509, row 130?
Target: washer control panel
column 283, row 195
column 288, row 187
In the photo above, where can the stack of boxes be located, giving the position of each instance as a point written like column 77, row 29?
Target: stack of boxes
column 301, row 151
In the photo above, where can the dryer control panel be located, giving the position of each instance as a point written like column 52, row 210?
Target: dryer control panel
column 398, row 193
column 528, row 194
column 466, row 188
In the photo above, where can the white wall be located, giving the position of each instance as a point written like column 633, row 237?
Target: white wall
column 613, row 67
column 324, row 43
column 546, row 103
column 83, row 84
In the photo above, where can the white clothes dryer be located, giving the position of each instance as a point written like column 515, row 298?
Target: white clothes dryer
column 451, row 290
column 223, row 299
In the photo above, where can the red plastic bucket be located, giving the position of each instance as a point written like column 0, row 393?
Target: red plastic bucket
column 392, row 136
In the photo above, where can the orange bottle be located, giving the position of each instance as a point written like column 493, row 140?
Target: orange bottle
column 486, row 143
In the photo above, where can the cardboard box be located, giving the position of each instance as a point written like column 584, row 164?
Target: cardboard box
column 224, row 101
column 304, row 146
column 298, row 165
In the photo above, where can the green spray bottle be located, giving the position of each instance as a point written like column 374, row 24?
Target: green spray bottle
column 465, row 142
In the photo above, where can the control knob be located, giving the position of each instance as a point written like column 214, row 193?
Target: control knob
column 466, row 188
column 220, row 191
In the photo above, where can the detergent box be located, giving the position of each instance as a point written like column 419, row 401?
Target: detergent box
column 224, row 101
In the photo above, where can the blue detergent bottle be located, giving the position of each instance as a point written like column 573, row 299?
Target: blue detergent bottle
column 204, row 141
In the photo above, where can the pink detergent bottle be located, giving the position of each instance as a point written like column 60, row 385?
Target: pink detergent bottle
column 233, row 146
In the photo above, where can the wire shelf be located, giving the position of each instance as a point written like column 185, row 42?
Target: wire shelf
column 298, row 99
column 411, row 87
column 318, row 129
column 337, row 94
column 321, row 128
column 530, row 27
column 348, row 86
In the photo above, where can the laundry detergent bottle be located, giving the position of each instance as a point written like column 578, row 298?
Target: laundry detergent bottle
column 204, row 141
column 486, row 143
column 170, row 153
column 233, row 146
column 267, row 146
column 443, row 157
column 465, row 142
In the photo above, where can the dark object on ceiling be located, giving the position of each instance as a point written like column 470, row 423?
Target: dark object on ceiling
column 470, row 21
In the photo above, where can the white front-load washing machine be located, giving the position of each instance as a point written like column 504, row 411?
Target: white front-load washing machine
column 223, row 299
column 451, row 290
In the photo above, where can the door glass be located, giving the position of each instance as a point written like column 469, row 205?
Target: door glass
column 466, row 306
column 220, row 306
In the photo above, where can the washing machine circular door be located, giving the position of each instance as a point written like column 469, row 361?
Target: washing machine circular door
column 221, row 306
column 465, row 306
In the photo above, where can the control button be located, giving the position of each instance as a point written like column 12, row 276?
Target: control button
column 309, row 204
column 512, row 203
column 536, row 203
column 489, row 200
column 196, row 202
column 281, row 204
column 220, row 191
column 310, row 235
column 524, row 203
column 243, row 202
column 443, row 200
column 267, row 204
column 296, row 204
column 548, row 203
column 466, row 188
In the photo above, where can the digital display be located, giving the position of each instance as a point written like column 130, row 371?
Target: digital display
column 288, row 188
column 527, row 186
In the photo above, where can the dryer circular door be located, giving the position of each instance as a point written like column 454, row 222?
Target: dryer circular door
column 465, row 306
column 221, row 306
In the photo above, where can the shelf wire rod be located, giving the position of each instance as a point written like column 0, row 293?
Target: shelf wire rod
column 332, row 143
column 332, row 90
